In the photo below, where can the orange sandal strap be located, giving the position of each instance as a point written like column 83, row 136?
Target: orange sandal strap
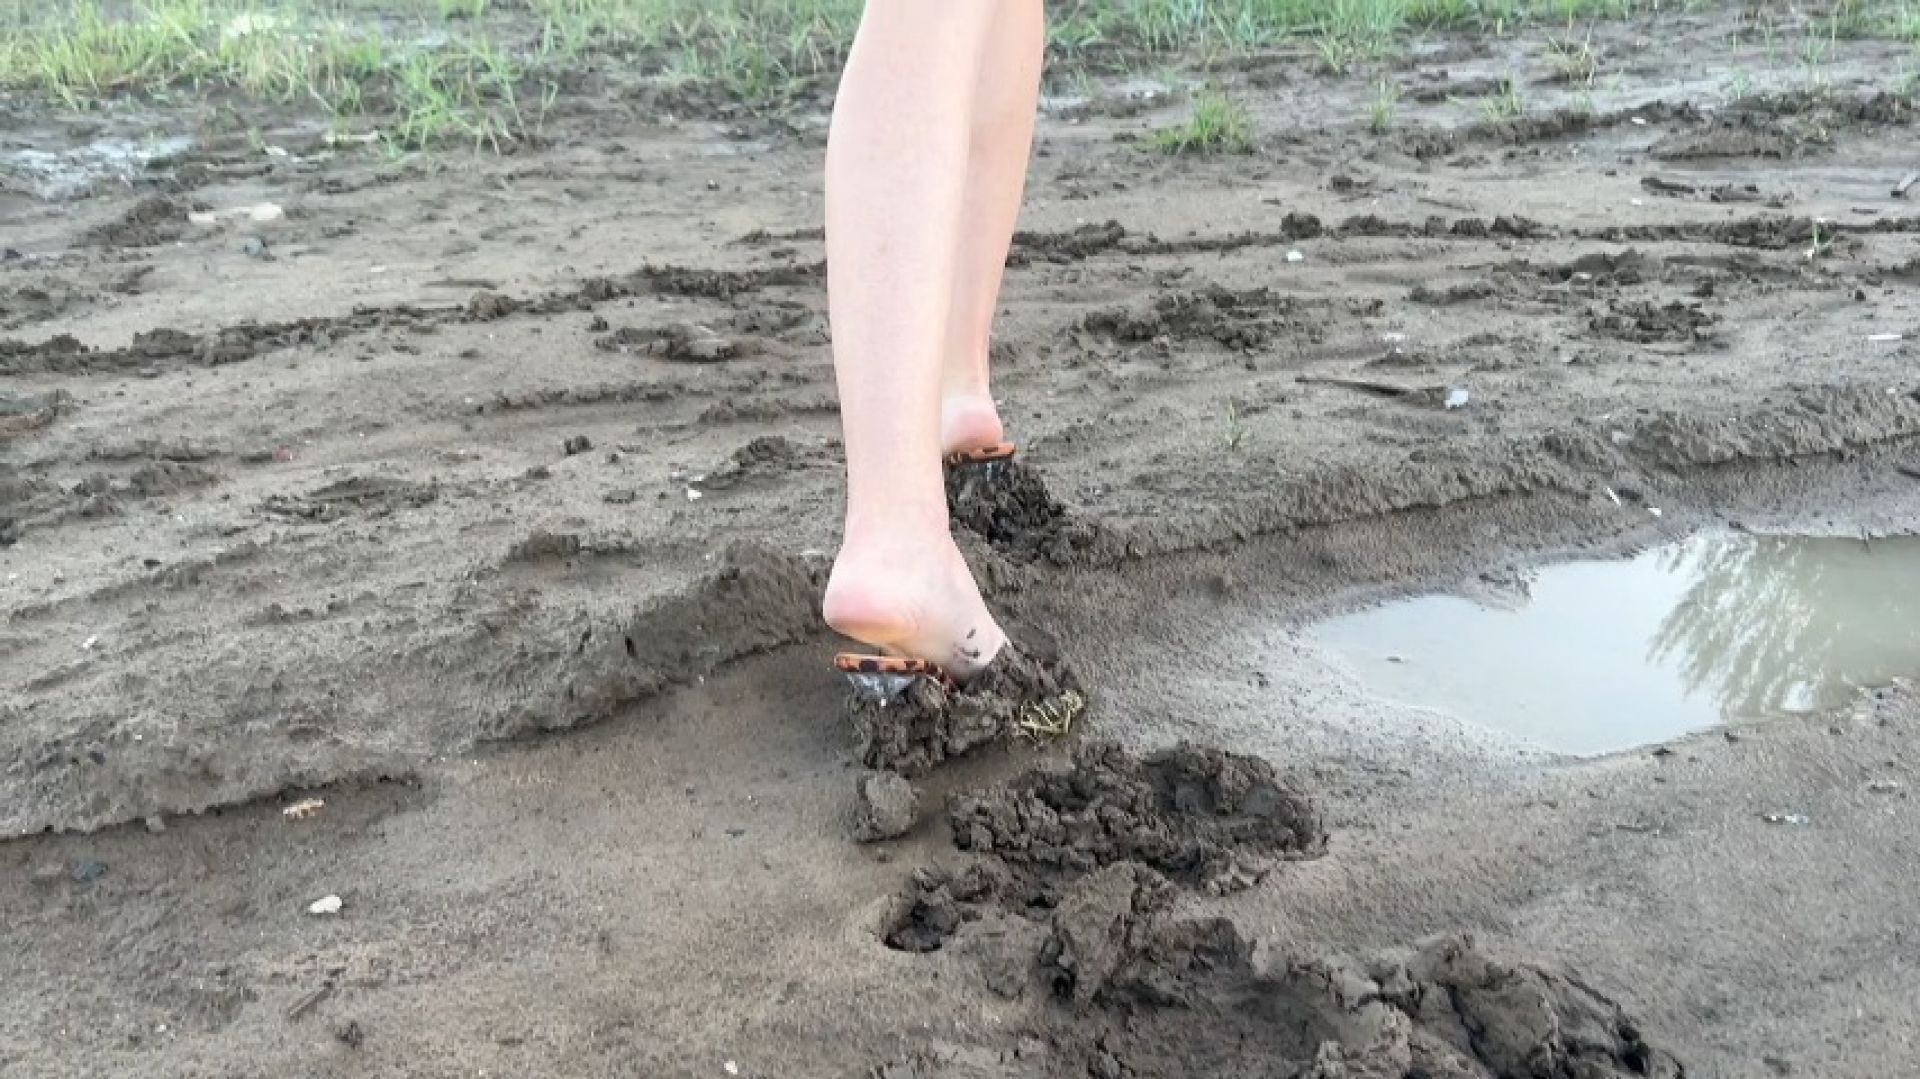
column 982, row 455
column 900, row 666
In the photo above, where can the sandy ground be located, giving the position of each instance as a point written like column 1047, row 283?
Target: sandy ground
column 321, row 524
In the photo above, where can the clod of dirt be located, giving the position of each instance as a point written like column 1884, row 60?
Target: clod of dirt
column 542, row 545
column 1082, row 850
column 23, row 412
column 1629, row 267
column 1211, row 820
column 1242, row 320
column 152, row 221
column 1644, row 323
column 576, row 445
column 764, row 457
column 487, row 306
column 372, row 495
column 1008, row 505
column 928, row 724
column 681, row 342
column 1188, row 999
column 885, row 807
column 1073, row 245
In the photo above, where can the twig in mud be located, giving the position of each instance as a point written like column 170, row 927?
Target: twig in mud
column 1911, row 472
column 1900, row 189
column 307, row 1003
column 1378, row 389
column 1051, row 719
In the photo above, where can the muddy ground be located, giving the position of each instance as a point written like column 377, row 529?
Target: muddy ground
column 368, row 502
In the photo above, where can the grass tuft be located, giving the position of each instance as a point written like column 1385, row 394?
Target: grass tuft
column 1218, row 125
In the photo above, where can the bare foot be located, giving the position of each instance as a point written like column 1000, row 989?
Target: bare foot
column 915, row 597
column 969, row 421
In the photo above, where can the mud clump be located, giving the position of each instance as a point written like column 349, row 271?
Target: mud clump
column 1008, row 505
column 1111, row 829
column 152, row 221
column 1646, row 323
column 1071, row 908
column 885, row 807
column 1072, row 245
column 928, row 723
column 1214, row 821
column 1188, row 999
column 1242, row 320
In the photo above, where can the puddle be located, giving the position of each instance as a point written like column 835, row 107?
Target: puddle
column 1592, row 657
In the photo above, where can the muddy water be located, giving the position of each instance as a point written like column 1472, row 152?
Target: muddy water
column 1591, row 657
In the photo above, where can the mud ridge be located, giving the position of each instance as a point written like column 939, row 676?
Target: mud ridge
column 167, row 347
column 492, row 675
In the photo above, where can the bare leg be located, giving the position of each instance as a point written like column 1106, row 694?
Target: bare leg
column 1004, row 101
column 896, row 190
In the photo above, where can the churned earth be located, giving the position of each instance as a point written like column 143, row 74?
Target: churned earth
column 486, row 501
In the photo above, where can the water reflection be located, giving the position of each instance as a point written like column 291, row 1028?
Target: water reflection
column 1597, row 656
column 1781, row 623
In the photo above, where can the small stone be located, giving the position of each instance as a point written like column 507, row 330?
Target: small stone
column 887, row 806
column 255, row 247
column 86, row 872
column 156, row 824
column 327, row 905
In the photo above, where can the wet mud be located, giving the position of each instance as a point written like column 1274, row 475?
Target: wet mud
column 500, row 445
column 1204, row 820
column 1007, row 503
column 929, row 723
column 1073, row 907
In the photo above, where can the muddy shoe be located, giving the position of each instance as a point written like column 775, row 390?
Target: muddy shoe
column 909, row 716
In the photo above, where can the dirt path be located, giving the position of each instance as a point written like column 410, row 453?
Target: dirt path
column 461, row 450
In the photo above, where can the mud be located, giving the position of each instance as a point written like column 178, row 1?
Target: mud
column 156, row 220
column 1213, row 821
column 1206, row 820
column 270, row 528
column 929, row 724
column 1189, row 999
column 1073, row 909
column 1007, row 504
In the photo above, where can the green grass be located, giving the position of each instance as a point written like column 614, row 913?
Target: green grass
column 484, row 72
column 1507, row 104
column 1218, row 125
column 1386, row 101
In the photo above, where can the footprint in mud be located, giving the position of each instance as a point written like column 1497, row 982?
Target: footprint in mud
column 1071, row 909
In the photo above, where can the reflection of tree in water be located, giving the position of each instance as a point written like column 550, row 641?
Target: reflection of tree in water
column 1770, row 621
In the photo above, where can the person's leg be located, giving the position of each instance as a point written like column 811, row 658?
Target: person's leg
column 1005, row 98
column 896, row 177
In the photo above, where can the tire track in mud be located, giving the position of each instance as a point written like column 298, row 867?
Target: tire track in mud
column 163, row 348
